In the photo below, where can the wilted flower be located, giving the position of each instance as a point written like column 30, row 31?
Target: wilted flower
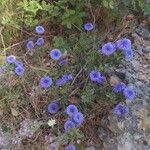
column 101, row 79
column 95, row 75
column 78, row 118
column 71, row 110
column 30, row 45
column 62, row 62
column 88, row 26
column 69, row 125
column 123, row 44
column 55, row 54
column 108, row 48
column 71, row 147
column 40, row 41
column 11, row 59
column 40, row 29
column 67, row 77
column 46, row 82
column 19, row 71
column 53, row 108
column 121, row 110
column 19, row 63
column 119, row 87
column 129, row 93
column 128, row 54
column 60, row 82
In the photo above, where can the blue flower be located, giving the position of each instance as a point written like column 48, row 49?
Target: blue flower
column 78, row 118
column 129, row 93
column 40, row 41
column 128, row 54
column 88, row 26
column 30, row 45
column 19, row 63
column 71, row 110
column 108, row 48
column 119, row 87
column 11, row 59
column 60, row 82
column 2, row 70
column 62, row 62
column 69, row 125
column 121, row 110
column 123, row 44
column 53, row 108
column 40, row 29
column 46, row 82
column 55, row 54
column 101, row 80
column 71, row 147
column 67, row 77
column 95, row 75
column 19, row 70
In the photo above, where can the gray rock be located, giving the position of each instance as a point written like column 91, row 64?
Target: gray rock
column 146, row 50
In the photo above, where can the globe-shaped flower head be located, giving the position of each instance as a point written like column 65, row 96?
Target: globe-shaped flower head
column 19, row 71
column 30, row 45
column 108, row 49
column 121, row 110
column 95, row 75
column 19, row 63
column 128, row 54
column 71, row 110
column 71, row 147
column 11, row 59
column 69, row 125
column 46, row 82
column 40, row 29
column 88, row 26
column 119, row 87
column 78, row 118
column 55, row 54
column 129, row 93
column 123, row 44
column 53, row 108
column 40, row 41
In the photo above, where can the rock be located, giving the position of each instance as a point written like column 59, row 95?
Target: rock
column 146, row 50
column 90, row 148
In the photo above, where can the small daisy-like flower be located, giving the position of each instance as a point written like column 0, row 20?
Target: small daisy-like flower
column 67, row 77
column 71, row 110
column 88, row 26
column 78, row 118
column 108, row 48
column 55, row 54
column 128, row 54
column 46, row 82
column 129, row 93
column 119, row 87
column 40, row 41
column 19, row 71
column 53, row 108
column 30, row 45
column 11, row 59
column 71, row 147
column 123, row 44
column 51, row 122
column 95, row 75
column 121, row 110
column 19, row 63
column 69, row 125
column 40, row 29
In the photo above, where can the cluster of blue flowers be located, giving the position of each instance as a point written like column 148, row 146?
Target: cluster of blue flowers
column 40, row 41
column 123, row 44
column 129, row 93
column 76, row 118
column 19, row 67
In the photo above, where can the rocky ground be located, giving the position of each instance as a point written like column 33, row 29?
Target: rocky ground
column 132, row 132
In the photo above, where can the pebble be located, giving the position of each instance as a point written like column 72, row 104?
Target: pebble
column 146, row 50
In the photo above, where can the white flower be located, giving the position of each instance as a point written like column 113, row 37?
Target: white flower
column 51, row 122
